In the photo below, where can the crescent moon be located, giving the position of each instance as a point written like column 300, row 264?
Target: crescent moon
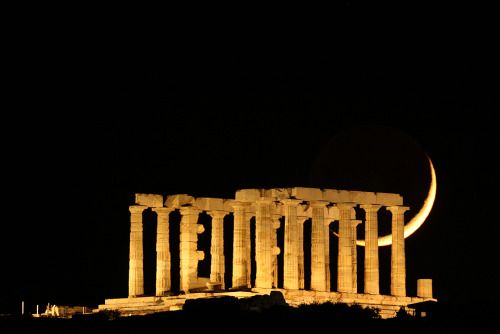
column 419, row 218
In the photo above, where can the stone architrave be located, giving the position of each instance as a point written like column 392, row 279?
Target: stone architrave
column 320, row 248
column 398, row 266
column 263, row 254
column 292, row 245
column 354, row 224
column 345, row 256
column 162, row 251
column 217, row 247
column 189, row 255
column 371, row 249
column 136, row 269
column 241, row 245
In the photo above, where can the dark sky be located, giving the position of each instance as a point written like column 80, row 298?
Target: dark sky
column 98, row 118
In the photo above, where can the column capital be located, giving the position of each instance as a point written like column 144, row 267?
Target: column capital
column 291, row 201
column 318, row 204
column 370, row 207
column 189, row 210
column 217, row 213
column 136, row 209
column 162, row 210
column 346, row 205
column 398, row 209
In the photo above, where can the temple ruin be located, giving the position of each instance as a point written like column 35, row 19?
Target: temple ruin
column 267, row 207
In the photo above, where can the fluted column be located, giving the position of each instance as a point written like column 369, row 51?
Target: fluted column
column 241, row 246
column 135, row 269
column 398, row 266
column 263, row 247
column 354, row 224
column 371, row 249
column 275, row 249
column 345, row 256
column 189, row 256
column 320, row 248
column 300, row 225
column 292, row 247
column 162, row 251
column 217, row 247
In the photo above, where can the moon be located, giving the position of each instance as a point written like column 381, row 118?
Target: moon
column 419, row 218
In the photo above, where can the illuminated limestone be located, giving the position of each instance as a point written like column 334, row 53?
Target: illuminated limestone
column 345, row 256
column 371, row 249
column 354, row 224
column 217, row 247
column 424, row 288
column 189, row 255
column 241, row 245
column 263, row 230
column 269, row 207
column 136, row 271
column 398, row 269
column 275, row 249
column 162, row 251
column 292, row 245
column 320, row 248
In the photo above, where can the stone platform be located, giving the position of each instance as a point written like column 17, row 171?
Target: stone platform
column 388, row 305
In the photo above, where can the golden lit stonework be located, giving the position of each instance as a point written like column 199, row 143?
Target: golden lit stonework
column 266, row 206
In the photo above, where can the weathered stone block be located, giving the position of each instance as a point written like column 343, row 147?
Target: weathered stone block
column 176, row 201
column 281, row 193
column 389, row 199
column 308, row 194
column 209, row 204
column 149, row 200
column 248, row 195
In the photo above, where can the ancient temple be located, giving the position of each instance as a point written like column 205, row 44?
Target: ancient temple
column 267, row 207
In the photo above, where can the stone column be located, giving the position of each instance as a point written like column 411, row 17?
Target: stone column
column 135, row 269
column 276, row 250
column 371, row 249
column 354, row 224
column 241, row 246
column 263, row 247
column 292, row 247
column 300, row 225
column 398, row 269
column 189, row 256
column 217, row 247
column 162, row 251
column 320, row 248
column 344, row 273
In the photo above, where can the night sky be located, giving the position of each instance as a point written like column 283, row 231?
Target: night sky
column 98, row 120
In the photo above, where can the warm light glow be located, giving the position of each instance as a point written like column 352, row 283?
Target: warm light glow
column 419, row 218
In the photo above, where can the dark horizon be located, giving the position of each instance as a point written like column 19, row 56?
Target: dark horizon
column 208, row 124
